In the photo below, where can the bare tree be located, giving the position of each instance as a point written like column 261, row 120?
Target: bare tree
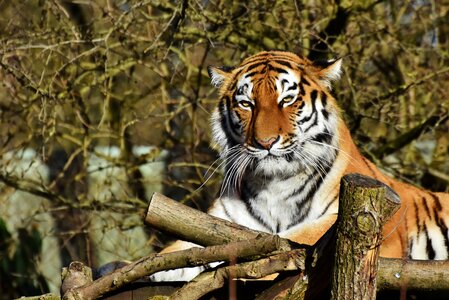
column 106, row 92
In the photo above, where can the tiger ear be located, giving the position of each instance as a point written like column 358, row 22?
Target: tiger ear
column 329, row 71
column 218, row 75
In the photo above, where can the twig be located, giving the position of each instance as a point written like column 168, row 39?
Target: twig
column 209, row 281
column 403, row 88
column 186, row 258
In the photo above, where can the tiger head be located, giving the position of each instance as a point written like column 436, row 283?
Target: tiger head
column 275, row 113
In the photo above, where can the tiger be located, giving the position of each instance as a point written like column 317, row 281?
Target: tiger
column 286, row 146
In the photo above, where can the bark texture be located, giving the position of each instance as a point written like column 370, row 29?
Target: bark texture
column 365, row 205
column 195, row 226
column 417, row 275
column 158, row 262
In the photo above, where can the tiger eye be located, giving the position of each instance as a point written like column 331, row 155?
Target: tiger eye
column 286, row 101
column 245, row 104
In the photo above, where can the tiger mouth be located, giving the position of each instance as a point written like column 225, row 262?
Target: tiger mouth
column 272, row 154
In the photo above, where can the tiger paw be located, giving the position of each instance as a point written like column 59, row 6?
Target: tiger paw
column 182, row 274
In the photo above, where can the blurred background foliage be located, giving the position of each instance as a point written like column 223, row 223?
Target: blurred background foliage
column 104, row 102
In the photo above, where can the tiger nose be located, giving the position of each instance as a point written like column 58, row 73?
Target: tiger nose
column 266, row 143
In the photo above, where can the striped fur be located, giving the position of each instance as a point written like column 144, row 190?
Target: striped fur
column 286, row 147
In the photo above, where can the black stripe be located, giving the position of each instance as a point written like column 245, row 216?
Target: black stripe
column 323, row 99
column 417, row 218
column 429, row 248
column 278, row 227
column 293, row 87
column 443, row 228
column 246, row 194
column 233, row 85
column 284, row 63
column 254, row 66
column 239, row 91
column 289, row 157
column 329, row 205
column 314, row 123
column 307, row 119
column 305, row 81
column 323, row 137
column 228, row 122
column 426, row 208
column 313, row 96
column 325, row 114
column 221, row 109
column 440, row 222
column 282, row 57
column 278, row 70
column 319, row 180
column 410, row 247
column 252, row 74
column 227, row 212
column 250, row 66
column 256, row 59
column 299, row 189
column 283, row 82
column 302, row 91
column 437, row 201
column 314, row 112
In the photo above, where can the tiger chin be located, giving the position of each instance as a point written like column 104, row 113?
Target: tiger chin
column 286, row 147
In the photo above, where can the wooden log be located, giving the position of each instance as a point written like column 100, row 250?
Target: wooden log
column 49, row 296
column 415, row 275
column 186, row 258
column 193, row 225
column 212, row 280
column 365, row 205
column 393, row 273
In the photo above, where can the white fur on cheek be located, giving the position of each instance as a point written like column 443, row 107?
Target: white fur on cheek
column 217, row 132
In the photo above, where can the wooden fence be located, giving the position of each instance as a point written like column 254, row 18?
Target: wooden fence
column 344, row 263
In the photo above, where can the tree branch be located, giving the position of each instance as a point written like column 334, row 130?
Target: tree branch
column 186, row 258
column 195, row 226
column 209, row 281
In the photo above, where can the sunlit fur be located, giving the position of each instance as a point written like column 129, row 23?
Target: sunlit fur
column 285, row 148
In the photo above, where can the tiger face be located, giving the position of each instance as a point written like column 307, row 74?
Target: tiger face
column 275, row 114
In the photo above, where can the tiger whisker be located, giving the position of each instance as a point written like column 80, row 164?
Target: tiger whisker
column 316, row 164
column 231, row 172
column 346, row 154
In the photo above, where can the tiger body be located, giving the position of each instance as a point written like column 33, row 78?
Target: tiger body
column 286, row 148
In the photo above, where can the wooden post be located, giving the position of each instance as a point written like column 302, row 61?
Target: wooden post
column 365, row 205
column 75, row 276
